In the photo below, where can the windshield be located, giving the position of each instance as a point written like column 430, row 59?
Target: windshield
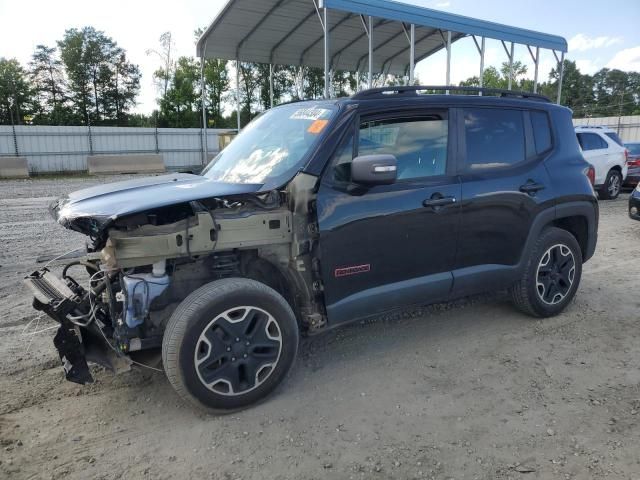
column 272, row 147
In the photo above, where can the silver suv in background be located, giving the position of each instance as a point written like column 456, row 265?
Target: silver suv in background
column 603, row 148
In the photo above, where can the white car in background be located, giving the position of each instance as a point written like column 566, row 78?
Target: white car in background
column 602, row 148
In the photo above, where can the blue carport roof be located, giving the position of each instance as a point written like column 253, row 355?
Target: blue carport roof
column 289, row 32
column 427, row 17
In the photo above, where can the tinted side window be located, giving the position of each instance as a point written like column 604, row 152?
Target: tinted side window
column 591, row 141
column 419, row 145
column 614, row 136
column 541, row 131
column 494, row 137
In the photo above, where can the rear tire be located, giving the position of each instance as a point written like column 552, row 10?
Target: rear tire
column 551, row 276
column 612, row 185
column 229, row 344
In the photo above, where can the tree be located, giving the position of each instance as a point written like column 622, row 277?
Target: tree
column 47, row 76
column 518, row 71
column 616, row 92
column 163, row 75
column 216, row 79
column 180, row 106
column 282, row 84
column 249, row 84
column 577, row 89
column 313, row 83
column 492, row 78
column 102, row 83
column 16, row 95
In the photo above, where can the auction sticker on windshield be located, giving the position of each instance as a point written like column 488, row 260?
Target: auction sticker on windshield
column 309, row 114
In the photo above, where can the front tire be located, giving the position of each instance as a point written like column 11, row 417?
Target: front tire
column 551, row 276
column 612, row 185
column 229, row 344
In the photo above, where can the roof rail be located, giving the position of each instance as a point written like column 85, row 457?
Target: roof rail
column 412, row 90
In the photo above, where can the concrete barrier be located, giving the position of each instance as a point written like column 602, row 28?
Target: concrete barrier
column 105, row 164
column 14, row 167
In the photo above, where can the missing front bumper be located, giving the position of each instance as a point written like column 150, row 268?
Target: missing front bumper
column 77, row 344
column 68, row 342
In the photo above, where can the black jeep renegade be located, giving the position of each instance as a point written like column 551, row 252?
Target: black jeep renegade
column 320, row 213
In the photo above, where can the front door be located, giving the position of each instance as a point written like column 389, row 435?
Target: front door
column 388, row 246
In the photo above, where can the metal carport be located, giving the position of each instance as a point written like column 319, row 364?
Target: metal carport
column 381, row 36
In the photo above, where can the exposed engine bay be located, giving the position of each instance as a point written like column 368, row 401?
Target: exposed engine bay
column 141, row 264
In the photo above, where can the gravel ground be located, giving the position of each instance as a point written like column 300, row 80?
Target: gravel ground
column 471, row 390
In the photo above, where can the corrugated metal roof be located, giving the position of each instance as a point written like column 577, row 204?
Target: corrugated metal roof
column 289, row 32
column 403, row 12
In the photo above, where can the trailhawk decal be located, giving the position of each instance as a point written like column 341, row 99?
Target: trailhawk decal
column 346, row 271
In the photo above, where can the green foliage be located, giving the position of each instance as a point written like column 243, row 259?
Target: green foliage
column 216, row 78
column 180, row 106
column 102, row 83
column 492, row 78
column 48, row 80
column 606, row 93
column 17, row 98
column 87, row 79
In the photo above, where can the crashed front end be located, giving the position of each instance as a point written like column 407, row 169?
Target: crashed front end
column 155, row 240
column 142, row 261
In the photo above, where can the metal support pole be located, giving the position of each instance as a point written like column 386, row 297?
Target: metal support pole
column 448, row 80
column 90, row 138
column 15, row 137
column 510, row 66
column 238, row 92
column 535, row 75
column 370, row 33
column 155, row 134
column 327, row 73
column 412, row 54
column 482, row 63
column 561, row 77
column 205, row 149
column 271, row 85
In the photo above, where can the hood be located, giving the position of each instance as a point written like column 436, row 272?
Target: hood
column 90, row 210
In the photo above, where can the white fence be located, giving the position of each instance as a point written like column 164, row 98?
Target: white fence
column 627, row 127
column 65, row 149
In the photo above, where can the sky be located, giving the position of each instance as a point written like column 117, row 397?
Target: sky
column 600, row 34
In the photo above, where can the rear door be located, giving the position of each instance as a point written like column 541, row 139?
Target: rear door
column 504, row 186
column 387, row 246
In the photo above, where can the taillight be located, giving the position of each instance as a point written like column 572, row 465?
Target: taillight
column 591, row 174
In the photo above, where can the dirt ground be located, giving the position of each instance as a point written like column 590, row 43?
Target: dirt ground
column 473, row 390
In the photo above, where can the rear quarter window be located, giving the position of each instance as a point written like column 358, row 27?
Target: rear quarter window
column 614, row 136
column 541, row 131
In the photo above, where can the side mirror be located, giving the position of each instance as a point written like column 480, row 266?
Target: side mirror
column 374, row 169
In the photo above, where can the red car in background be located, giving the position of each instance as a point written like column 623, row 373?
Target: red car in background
column 633, row 160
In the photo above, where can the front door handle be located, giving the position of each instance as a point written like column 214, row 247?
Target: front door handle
column 438, row 201
column 531, row 187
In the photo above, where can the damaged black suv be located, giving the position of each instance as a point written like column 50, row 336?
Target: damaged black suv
column 321, row 213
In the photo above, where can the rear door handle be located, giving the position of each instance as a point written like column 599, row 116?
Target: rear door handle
column 439, row 202
column 531, row 188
